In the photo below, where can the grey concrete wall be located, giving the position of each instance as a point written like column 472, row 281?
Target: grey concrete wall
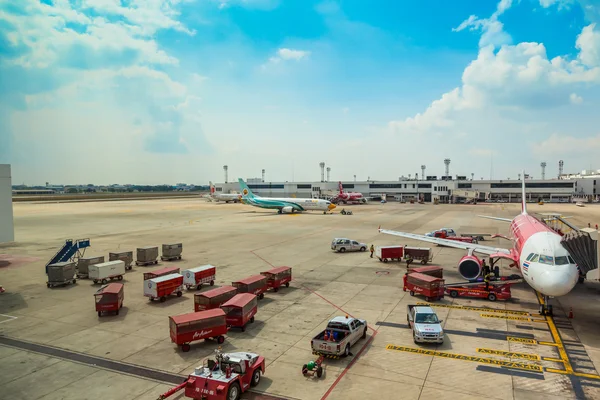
column 7, row 230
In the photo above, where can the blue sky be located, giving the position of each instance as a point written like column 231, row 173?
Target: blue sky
column 165, row 91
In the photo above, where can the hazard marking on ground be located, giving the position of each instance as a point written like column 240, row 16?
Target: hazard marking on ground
column 521, row 340
column 382, row 272
column 510, row 354
column 481, row 360
column 478, row 309
column 511, row 318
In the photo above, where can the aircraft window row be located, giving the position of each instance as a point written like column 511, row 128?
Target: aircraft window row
column 547, row 260
column 559, row 260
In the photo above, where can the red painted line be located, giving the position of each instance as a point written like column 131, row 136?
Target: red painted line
column 252, row 251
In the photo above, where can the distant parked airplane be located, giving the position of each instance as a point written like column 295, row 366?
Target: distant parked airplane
column 346, row 197
column 226, row 197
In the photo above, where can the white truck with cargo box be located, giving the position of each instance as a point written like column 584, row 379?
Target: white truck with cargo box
column 171, row 251
column 424, row 322
column 125, row 256
column 84, row 263
column 339, row 336
column 61, row 273
column 147, row 255
column 107, row 271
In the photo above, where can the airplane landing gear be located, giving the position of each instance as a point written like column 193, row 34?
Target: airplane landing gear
column 279, row 211
column 546, row 309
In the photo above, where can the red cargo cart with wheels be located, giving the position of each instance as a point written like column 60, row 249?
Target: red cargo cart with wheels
column 160, row 272
column 163, row 286
column 495, row 292
column 430, row 270
column 387, row 253
column 256, row 284
column 109, row 298
column 213, row 298
column 240, row 310
column 277, row 277
column 429, row 286
column 195, row 277
column 187, row 328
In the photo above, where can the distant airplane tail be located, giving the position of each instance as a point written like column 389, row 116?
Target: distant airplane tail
column 212, row 188
column 523, row 198
column 341, row 187
column 246, row 192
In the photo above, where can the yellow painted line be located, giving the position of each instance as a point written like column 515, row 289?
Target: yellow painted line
column 553, row 359
column 583, row 375
column 558, row 371
column 557, row 339
column 548, row 344
column 510, row 354
column 478, row 309
column 521, row 340
column 511, row 318
column 481, row 360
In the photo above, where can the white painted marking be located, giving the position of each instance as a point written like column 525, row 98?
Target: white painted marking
column 8, row 316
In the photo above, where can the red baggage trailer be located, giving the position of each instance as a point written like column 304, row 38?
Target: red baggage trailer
column 277, row 277
column 109, row 298
column 256, row 284
column 495, row 292
column 429, row 286
column 195, row 277
column 213, row 298
column 240, row 310
column 423, row 254
column 163, row 286
column 431, row 270
column 386, row 253
column 160, row 272
column 194, row 326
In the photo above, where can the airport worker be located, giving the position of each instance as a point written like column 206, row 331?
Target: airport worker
column 486, row 268
column 487, row 278
column 373, row 249
column 409, row 260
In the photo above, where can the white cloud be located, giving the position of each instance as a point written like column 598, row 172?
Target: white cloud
column 575, row 99
column 562, row 145
column 290, row 54
column 561, row 3
column 492, row 29
column 588, row 44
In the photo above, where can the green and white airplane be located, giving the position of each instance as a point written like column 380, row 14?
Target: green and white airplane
column 284, row 205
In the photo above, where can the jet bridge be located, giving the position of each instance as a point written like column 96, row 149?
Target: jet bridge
column 583, row 246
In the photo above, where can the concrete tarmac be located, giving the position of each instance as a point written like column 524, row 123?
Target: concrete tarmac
column 53, row 345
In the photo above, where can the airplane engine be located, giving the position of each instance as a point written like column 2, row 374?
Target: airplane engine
column 287, row 209
column 469, row 267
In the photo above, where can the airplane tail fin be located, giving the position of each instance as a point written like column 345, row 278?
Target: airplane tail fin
column 523, row 198
column 341, row 187
column 246, row 192
column 212, row 187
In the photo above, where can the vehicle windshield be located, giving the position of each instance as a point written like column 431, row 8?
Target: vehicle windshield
column 426, row 319
column 546, row 260
column 561, row 260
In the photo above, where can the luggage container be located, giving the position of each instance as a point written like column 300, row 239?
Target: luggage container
column 84, row 263
column 213, row 298
column 431, row 270
column 194, row 326
column 62, row 273
column 125, row 256
column 277, row 277
column 109, row 298
column 256, row 284
column 493, row 293
column 107, row 271
column 163, row 286
column 147, row 255
column 240, row 310
column 160, row 272
column 171, row 251
column 195, row 277
column 423, row 254
column 429, row 286
column 387, row 253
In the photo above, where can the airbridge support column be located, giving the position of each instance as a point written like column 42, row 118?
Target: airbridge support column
column 7, row 232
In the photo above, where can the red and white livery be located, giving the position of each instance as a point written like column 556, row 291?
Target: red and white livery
column 348, row 197
column 537, row 251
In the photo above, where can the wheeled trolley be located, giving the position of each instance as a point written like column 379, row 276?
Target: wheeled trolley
column 171, row 252
column 313, row 368
column 61, row 274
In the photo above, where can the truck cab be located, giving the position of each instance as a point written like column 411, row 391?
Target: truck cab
column 425, row 324
column 339, row 336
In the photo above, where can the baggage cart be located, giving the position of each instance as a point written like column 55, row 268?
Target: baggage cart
column 61, row 273
column 109, row 298
column 495, row 292
column 160, row 272
column 186, row 328
column 387, row 253
column 422, row 254
column 430, row 270
column 195, row 277
column 171, row 251
column 163, row 286
column 240, row 310
column 277, row 277
column 213, row 298
column 429, row 286
column 84, row 263
column 256, row 284
column 147, row 255
column 125, row 256
column 104, row 272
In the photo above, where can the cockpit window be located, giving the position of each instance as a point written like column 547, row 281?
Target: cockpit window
column 561, row 260
column 529, row 257
column 571, row 260
column 534, row 258
column 547, row 260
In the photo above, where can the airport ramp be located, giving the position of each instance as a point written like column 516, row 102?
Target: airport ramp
column 71, row 249
column 583, row 247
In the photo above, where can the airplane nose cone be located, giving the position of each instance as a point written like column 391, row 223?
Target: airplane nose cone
column 554, row 281
column 331, row 206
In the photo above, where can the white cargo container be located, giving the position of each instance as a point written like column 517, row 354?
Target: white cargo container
column 107, row 271
column 163, row 286
column 195, row 277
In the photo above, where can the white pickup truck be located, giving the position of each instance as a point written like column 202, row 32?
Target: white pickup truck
column 424, row 322
column 341, row 334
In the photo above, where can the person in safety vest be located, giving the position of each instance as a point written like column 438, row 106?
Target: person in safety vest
column 372, row 250
column 487, row 278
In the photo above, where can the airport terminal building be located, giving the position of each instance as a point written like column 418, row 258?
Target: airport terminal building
column 445, row 190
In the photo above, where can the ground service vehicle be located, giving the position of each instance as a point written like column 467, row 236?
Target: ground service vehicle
column 109, row 298
column 84, row 263
column 342, row 245
column 195, row 277
column 340, row 334
column 422, row 254
column 277, row 277
column 125, row 256
column 313, row 368
column 213, row 298
column 240, row 310
column 431, row 270
column 495, row 292
column 194, row 326
column 443, row 235
column 449, row 232
column 256, row 284
column 386, row 253
column 160, row 272
column 61, row 273
column 104, row 272
column 224, row 378
column 163, row 286
column 429, row 286
column 344, row 212
column 424, row 322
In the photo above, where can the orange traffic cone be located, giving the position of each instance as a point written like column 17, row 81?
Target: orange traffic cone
column 571, row 312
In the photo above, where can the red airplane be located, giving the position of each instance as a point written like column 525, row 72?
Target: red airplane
column 346, row 197
column 537, row 251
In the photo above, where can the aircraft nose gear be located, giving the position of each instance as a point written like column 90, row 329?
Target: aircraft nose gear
column 546, row 309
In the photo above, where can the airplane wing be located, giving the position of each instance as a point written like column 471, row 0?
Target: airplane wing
column 489, row 250
column 496, row 218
